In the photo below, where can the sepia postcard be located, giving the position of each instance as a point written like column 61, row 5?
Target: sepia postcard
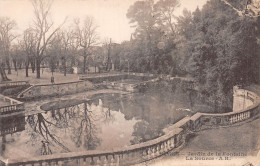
column 129, row 82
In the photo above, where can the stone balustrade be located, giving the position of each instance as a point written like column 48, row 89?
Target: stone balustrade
column 175, row 136
column 130, row 87
column 12, row 84
column 49, row 90
column 14, row 105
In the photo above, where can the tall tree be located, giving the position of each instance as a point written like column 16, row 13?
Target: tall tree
column 164, row 10
column 28, row 45
column 43, row 30
column 107, row 46
column 6, row 37
column 68, row 46
column 220, row 48
column 86, row 36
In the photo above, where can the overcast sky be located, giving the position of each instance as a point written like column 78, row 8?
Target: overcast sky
column 110, row 15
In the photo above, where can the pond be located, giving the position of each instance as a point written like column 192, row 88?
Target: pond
column 108, row 120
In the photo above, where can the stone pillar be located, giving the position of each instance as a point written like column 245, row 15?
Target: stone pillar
column 144, row 153
column 235, row 118
column 98, row 162
column 153, row 151
column 158, row 150
column 169, row 144
column 44, row 163
column 231, row 119
column 113, row 161
column 105, row 161
column 172, row 142
column 165, row 146
column 162, row 148
column 60, row 163
column 149, row 153
column 84, row 161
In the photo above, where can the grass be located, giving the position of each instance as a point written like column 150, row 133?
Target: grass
column 45, row 77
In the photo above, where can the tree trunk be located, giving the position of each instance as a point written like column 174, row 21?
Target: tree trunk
column 8, row 66
column 32, row 64
column 84, row 64
column 38, row 68
column 20, row 65
column 27, row 67
column 14, row 62
column 3, row 75
column 65, row 68
column 26, row 71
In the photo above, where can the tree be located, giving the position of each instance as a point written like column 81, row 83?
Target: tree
column 43, row 30
column 107, row 46
column 28, row 45
column 6, row 37
column 143, row 17
column 164, row 10
column 219, row 49
column 86, row 36
column 68, row 46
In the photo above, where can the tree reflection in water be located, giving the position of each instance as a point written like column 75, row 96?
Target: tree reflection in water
column 154, row 109
column 10, row 125
column 144, row 132
column 108, row 116
column 41, row 126
column 78, row 120
column 86, row 133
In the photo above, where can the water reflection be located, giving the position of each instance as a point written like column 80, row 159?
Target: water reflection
column 41, row 127
column 74, row 128
column 154, row 109
column 86, row 133
column 77, row 122
column 107, row 121
column 8, row 126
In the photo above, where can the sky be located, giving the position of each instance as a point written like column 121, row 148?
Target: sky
column 110, row 15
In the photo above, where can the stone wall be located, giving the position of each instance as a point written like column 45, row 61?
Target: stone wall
column 174, row 138
column 116, row 77
column 49, row 90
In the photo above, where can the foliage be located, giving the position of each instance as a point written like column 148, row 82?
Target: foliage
column 222, row 50
column 214, row 45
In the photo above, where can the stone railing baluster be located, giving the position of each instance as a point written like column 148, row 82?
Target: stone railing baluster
column 153, row 151
column 172, row 142
column 45, row 163
column 112, row 161
column 144, row 153
column 60, row 163
column 157, row 149
column 106, row 161
column 149, row 153
column 98, row 162
column 165, row 146
column 162, row 148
